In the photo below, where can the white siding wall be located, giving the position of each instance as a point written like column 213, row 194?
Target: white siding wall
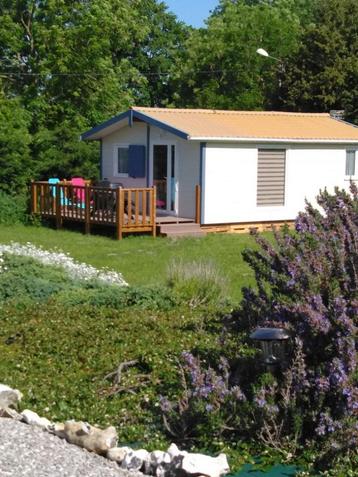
column 135, row 135
column 187, row 161
column 189, row 176
column 230, row 181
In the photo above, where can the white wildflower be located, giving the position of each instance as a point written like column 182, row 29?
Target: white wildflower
column 58, row 258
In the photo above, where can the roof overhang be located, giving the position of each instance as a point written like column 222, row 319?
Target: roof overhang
column 271, row 140
column 126, row 119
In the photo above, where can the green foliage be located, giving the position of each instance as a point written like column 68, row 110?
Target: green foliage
column 15, row 166
column 145, row 298
column 198, row 283
column 307, row 284
column 13, row 209
column 221, row 68
column 323, row 74
column 59, row 356
column 157, row 53
column 23, row 279
column 71, row 65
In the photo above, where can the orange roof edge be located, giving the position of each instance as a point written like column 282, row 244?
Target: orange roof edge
column 221, row 125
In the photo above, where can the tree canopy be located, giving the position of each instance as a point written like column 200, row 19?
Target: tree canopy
column 67, row 65
column 323, row 74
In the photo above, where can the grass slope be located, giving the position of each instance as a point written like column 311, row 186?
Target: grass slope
column 141, row 259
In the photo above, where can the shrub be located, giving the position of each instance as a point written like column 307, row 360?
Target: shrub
column 196, row 416
column 307, row 282
column 13, row 209
column 23, row 279
column 146, row 298
column 197, row 283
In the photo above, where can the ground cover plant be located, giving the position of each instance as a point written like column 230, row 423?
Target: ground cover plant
column 62, row 336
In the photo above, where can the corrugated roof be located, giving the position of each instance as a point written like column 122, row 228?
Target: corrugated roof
column 217, row 124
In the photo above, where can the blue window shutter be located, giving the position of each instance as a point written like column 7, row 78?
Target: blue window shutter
column 136, row 162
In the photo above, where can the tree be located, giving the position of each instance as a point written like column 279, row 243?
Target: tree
column 156, row 54
column 222, row 69
column 72, row 64
column 323, row 75
column 15, row 163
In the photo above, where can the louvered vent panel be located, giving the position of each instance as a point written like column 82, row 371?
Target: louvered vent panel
column 271, row 177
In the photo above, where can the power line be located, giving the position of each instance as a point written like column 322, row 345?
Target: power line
column 87, row 73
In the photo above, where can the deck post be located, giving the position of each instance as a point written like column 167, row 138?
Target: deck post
column 33, row 198
column 197, row 204
column 58, row 206
column 153, row 211
column 87, row 210
column 119, row 206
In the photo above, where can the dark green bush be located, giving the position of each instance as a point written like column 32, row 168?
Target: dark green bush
column 146, row 298
column 23, row 279
column 13, row 209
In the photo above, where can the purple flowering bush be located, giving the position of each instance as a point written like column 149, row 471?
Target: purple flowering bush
column 307, row 283
column 198, row 411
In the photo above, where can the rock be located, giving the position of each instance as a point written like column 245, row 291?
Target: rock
column 199, row 464
column 10, row 414
column 136, row 460
column 118, row 454
column 158, row 460
column 58, row 429
column 90, row 437
column 9, row 397
column 161, row 471
column 34, row 419
column 173, row 450
column 159, row 457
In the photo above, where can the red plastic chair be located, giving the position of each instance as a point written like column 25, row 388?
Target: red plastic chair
column 79, row 191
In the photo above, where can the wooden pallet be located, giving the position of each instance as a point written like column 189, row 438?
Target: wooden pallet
column 247, row 227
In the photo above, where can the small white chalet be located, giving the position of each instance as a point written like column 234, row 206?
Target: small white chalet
column 252, row 166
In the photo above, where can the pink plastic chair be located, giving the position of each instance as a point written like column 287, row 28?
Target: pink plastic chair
column 78, row 183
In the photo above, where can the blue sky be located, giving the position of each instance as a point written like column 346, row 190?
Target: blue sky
column 192, row 12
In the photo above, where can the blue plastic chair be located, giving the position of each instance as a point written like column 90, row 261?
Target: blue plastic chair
column 53, row 181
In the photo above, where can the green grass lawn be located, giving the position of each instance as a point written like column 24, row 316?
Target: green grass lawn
column 141, row 259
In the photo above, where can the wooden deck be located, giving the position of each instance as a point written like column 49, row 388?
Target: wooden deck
column 128, row 210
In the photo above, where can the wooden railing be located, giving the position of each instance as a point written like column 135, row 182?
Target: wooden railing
column 129, row 210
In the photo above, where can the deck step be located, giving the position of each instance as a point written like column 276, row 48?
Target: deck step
column 182, row 230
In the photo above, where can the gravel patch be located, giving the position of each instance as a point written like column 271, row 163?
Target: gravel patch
column 29, row 451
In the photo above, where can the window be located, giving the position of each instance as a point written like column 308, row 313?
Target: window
column 350, row 163
column 121, row 166
column 271, row 170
